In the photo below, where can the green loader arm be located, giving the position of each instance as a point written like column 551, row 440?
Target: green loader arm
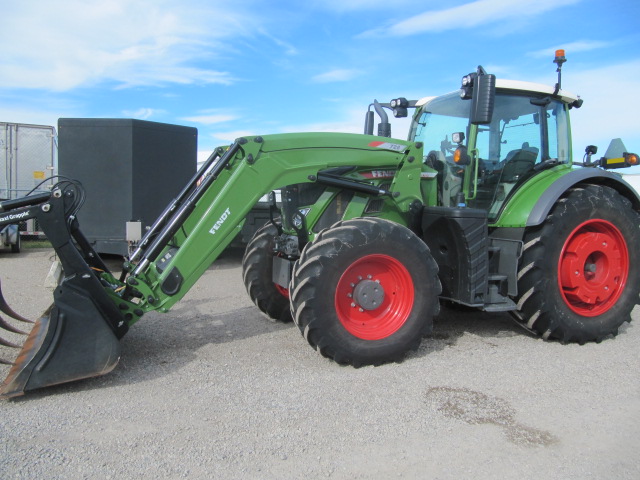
column 261, row 165
column 77, row 337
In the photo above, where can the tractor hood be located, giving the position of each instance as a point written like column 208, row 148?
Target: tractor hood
column 296, row 141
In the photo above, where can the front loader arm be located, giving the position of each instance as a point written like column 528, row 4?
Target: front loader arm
column 77, row 337
column 255, row 167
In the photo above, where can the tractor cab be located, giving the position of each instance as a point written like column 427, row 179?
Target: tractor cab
column 482, row 161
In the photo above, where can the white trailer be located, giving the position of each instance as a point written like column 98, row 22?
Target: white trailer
column 28, row 157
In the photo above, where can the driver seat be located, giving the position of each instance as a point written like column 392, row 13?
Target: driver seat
column 519, row 162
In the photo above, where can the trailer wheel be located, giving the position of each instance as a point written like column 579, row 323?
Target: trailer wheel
column 365, row 292
column 580, row 274
column 15, row 247
column 257, row 268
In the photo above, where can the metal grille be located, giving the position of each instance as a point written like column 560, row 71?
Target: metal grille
column 375, row 205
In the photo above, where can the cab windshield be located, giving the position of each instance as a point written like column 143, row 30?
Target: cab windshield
column 527, row 133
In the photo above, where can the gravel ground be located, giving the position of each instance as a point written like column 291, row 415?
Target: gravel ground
column 214, row 390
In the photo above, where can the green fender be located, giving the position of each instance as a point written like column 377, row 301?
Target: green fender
column 532, row 202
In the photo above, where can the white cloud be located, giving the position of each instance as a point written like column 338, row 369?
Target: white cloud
column 210, row 119
column 571, row 47
column 337, row 75
column 354, row 5
column 142, row 113
column 346, row 125
column 33, row 116
column 287, row 47
column 63, row 44
column 468, row 15
column 350, row 120
column 228, row 137
column 38, row 109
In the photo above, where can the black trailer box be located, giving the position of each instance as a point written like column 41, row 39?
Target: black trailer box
column 130, row 169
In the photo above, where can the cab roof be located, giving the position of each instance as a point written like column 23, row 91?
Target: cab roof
column 503, row 84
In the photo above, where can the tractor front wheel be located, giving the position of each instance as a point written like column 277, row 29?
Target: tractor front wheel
column 580, row 271
column 365, row 292
column 257, row 268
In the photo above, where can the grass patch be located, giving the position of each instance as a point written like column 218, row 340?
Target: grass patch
column 35, row 243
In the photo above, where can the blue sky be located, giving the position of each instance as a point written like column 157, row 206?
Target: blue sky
column 232, row 68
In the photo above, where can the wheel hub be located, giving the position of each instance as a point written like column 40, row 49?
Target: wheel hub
column 368, row 294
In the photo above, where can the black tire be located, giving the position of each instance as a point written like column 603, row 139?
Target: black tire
column 257, row 268
column 365, row 292
column 579, row 273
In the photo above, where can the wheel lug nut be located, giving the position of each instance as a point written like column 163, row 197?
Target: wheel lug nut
column 369, row 277
column 350, row 295
column 361, row 310
column 353, row 304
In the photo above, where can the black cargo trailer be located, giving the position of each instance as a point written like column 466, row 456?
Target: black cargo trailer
column 132, row 169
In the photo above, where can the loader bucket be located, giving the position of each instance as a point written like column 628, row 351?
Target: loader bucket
column 77, row 337
column 73, row 339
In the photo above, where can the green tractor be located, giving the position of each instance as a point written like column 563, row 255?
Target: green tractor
column 481, row 206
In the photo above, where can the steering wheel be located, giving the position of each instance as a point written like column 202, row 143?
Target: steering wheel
column 446, row 146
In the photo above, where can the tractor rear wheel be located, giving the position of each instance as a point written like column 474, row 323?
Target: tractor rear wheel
column 579, row 274
column 365, row 292
column 257, row 267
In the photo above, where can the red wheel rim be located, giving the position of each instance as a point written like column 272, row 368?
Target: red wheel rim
column 593, row 268
column 374, row 319
column 283, row 291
